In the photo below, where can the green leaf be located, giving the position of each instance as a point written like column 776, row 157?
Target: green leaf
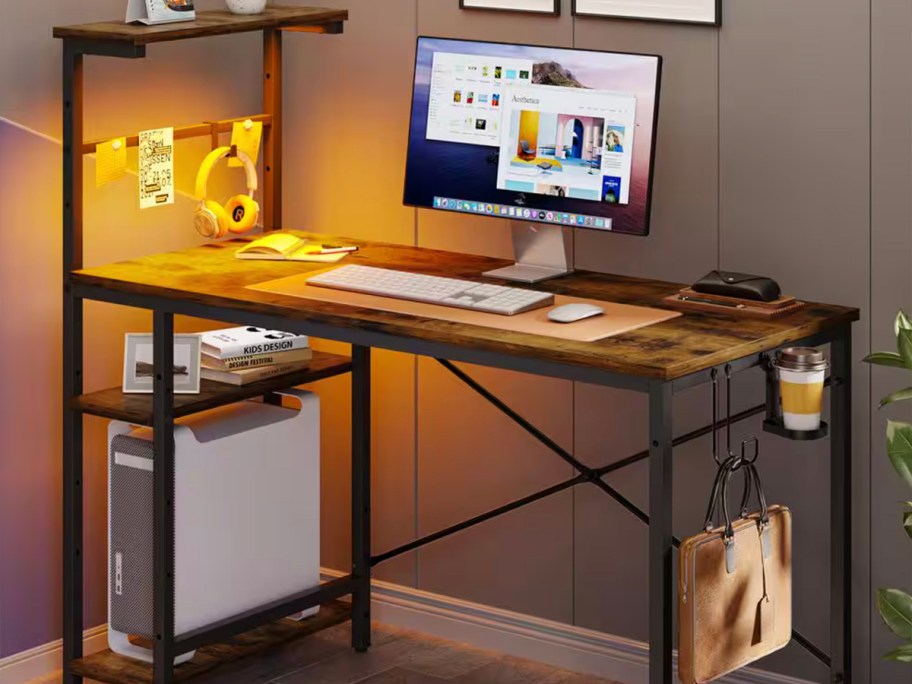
column 895, row 608
column 902, row 322
column 901, row 395
column 899, row 448
column 904, row 343
column 907, row 523
column 891, row 359
column 903, row 654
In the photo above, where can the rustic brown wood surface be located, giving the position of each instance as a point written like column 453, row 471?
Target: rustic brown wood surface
column 208, row 23
column 111, row 668
column 210, row 275
column 137, row 408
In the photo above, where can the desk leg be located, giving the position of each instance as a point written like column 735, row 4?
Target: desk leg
column 361, row 496
column 163, row 495
column 841, row 510
column 661, row 578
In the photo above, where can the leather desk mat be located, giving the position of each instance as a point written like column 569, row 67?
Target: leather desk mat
column 617, row 319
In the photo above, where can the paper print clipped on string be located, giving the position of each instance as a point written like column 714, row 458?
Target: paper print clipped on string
column 156, row 167
column 246, row 135
column 110, row 161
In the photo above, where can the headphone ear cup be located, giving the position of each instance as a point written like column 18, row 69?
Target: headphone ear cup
column 211, row 220
column 242, row 213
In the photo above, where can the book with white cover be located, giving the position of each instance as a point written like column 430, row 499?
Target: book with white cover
column 247, row 340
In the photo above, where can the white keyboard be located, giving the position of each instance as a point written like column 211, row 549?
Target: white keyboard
column 464, row 294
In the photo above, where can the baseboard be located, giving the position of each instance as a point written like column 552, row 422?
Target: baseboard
column 524, row 636
column 43, row 661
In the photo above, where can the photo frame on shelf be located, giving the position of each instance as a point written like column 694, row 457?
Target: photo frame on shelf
column 705, row 12
column 545, row 7
column 138, row 375
column 151, row 12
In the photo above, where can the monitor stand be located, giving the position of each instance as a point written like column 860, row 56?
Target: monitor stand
column 542, row 251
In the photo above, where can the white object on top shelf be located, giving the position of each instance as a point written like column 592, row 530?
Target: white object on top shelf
column 246, row 6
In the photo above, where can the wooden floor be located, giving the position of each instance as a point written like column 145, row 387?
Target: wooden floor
column 397, row 657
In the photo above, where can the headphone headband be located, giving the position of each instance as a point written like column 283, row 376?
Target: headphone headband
column 202, row 178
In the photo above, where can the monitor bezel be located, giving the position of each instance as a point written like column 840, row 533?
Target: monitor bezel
column 655, row 126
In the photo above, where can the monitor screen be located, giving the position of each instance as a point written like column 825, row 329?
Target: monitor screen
column 529, row 133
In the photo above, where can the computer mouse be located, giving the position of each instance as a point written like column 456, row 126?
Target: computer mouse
column 570, row 313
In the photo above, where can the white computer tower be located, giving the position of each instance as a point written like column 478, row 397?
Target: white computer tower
column 247, row 515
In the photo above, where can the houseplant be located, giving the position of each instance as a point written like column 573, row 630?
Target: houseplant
column 895, row 605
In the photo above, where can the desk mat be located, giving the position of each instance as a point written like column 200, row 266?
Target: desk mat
column 617, row 319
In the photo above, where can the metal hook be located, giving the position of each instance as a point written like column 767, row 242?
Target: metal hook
column 728, row 416
column 714, row 375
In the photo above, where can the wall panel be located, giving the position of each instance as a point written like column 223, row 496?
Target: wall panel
column 682, row 244
column 794, row 205
column 891, row 289
column 472, row 458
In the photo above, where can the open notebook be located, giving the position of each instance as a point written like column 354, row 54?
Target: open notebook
column 288, row 247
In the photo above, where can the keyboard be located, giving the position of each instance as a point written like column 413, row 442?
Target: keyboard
column 463, row 294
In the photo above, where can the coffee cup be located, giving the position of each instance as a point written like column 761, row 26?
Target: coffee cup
column 802, row 371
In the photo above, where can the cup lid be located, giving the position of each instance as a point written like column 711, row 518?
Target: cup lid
column 801, row 359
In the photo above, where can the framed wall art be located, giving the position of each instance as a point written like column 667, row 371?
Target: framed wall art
column 548, row 7
column 707, row 12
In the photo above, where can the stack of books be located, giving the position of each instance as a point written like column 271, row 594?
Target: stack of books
column 239, row 356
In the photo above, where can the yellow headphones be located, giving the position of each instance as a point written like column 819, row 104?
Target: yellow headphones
column 239, row 214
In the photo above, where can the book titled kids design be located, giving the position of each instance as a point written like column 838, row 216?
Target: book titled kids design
column 160, row 11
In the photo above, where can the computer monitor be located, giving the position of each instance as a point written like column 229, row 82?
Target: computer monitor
column 545, row 136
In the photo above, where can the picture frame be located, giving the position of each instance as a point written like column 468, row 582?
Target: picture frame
column 699, row 12
column 137, row 375
column 550, row 8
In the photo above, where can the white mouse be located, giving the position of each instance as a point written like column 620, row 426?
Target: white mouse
column 570, row 313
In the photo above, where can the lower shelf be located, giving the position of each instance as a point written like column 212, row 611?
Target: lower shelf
column 137, row 408
column 110, row 668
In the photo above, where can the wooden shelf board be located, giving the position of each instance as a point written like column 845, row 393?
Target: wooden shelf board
column 208, row 23
column 137, row 408
column 110, row 668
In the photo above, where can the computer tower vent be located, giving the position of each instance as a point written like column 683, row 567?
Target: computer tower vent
column 131, row 535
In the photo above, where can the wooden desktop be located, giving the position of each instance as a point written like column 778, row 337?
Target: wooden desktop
column 209, row 276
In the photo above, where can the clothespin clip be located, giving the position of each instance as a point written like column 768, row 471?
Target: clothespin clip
column 117, row 145
column 248, row 124
column 214, row 133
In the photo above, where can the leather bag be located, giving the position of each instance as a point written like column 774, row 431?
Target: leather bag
column 735, row 593
column 738, row 285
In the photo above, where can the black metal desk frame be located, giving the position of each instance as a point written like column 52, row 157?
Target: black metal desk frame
column 662, row 595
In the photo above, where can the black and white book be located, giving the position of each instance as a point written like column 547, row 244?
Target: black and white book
column 248, row 341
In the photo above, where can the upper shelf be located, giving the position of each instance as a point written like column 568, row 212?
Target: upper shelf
column 208, row 23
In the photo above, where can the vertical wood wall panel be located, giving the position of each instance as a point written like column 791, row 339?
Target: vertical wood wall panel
column 682, row 244
column 472, row 458
column 347, row 101
column 795, row 205
column 891, row 289
column 473, row 454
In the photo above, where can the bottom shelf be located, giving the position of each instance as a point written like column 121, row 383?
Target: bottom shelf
column 110, row 668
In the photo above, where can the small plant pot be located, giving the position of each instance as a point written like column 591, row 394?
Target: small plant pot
column 246, row 6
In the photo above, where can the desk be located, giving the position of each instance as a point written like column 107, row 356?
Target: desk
column 208, row 282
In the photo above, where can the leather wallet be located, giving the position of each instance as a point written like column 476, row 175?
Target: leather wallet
column 739, row 285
